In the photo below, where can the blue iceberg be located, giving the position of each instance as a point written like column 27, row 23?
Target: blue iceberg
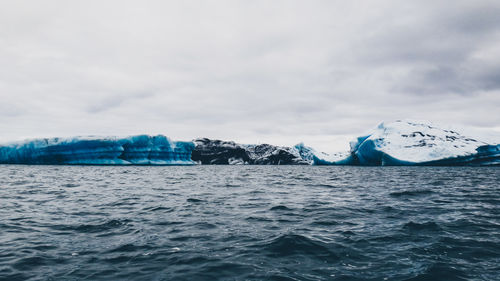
column 406, row 143
column 314, row 157
column 390, row 144
column 135, row 150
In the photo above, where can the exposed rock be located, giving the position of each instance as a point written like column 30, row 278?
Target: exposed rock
column 209, row 151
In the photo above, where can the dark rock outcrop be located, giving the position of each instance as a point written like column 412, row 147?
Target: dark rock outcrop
column 209, row 151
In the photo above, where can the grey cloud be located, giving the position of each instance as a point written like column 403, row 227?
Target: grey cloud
column 475, row 19
column 254, row 71
column 112, row 101
column 435, row 55
column 449, row 79
column 490, row 79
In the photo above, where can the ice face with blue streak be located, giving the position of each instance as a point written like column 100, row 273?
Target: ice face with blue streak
column 416, row 143
column 135, row 150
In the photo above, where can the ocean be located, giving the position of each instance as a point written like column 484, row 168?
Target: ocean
column 249, row 223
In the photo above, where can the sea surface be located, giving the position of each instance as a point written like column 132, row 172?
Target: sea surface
column 249, row 223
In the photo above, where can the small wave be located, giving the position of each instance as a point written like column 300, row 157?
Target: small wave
column 16, row 276
column 293, row 244
column 92, row 228
column 20, row 182
column 426, row 226
column 325, row 185
column 474, row 225
column 14, row 228
column 194, row 200
column 417, row 192
column 193, row 261
column 326, row 222
column 389, row 209
column 468, row 248
column 168, row 222
column 130, row 248
column 223, row 270
column 158, row 208
column 204, row 225
column 44, row 248
column 438, row 183
column 70, row 185
column 29, row 263
column 440, row 271
column 118, row 260
column 259, row 219
column 280, row 208
column 87, row 213
column 301, row 178
column 124, row 202
column 198, row 238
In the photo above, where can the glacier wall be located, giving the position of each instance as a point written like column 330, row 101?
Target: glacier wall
column 416, row 143
column 389, row 144
column 134, row 150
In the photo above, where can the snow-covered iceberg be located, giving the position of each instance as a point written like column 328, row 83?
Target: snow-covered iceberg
column 134, row 150
column 416, row 143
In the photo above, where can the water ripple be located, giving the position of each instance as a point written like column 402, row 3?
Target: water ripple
column 249, row 223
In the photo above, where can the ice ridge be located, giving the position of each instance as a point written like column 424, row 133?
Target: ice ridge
column 406, row 142
column 134, row 150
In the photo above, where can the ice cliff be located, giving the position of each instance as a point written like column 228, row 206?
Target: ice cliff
column 135, row 150
column 416, row 143
column 390, row 144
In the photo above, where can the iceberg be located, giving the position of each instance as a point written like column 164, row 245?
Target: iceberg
column 134, row 150
column 321, row 158
column 389, row 144
column 416, row 143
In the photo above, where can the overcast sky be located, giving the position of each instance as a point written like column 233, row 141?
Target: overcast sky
column 280, row 72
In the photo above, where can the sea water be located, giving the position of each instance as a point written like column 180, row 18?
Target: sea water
column 249, row 223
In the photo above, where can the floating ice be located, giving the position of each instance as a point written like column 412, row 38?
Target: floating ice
column 395, row 143
column 417, row 143
column 321, row 158
column 135, row 150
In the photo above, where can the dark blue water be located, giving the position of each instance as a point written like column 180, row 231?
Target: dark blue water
column 249, row 223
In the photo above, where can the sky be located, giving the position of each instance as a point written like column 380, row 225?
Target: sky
column 280, row 72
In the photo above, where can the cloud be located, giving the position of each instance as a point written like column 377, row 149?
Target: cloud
column 432, row 50
column 252, row 71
